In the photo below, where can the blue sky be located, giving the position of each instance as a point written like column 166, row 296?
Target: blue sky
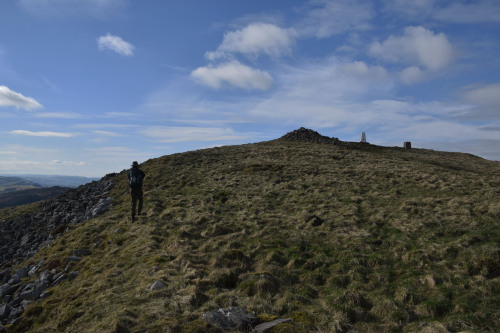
column 88, row 86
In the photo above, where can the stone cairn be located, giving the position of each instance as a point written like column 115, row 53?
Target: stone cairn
column 308, row 135
column 22, row 237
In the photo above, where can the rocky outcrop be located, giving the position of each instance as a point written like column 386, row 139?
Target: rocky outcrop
column 16, row 294
column 308, row 135
column 22, row 237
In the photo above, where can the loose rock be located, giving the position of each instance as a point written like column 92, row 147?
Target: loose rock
column 266, row 327
column 157, row 286
column 233, row 318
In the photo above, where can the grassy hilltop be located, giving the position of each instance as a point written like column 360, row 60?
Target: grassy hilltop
column 341, row 238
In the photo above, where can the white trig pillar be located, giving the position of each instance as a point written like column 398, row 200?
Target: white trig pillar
column 363, row 137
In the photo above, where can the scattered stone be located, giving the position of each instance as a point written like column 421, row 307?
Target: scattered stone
column 266, row 327
column 58, row 278
column 25, row 303
column 15, row 313
column 96, row 244
column 233, row 318
column 45, row 294
column 35, row 268
column 8, row 289
column 14, row 280
column 157, row 285
column 32, row 294
column 23, row 236
column 72, row 258
column 5, row 275
column 4, row 311
column 81, row 252
column 45, row 277
column 21, row 272
column 72, row 275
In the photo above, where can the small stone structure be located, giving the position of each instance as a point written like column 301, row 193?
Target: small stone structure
column 308, row 135
column 407, row 145
column 363, row 137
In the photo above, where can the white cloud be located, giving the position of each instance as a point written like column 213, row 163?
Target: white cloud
column 12, row 98
column 16, row 165
column 458, row 11
column 412, row 74
column 475, row 12
column 68, row 163
column 417, row 45
column 484, row 103
column 326, row 18
column 101, row 9
column 255, row 39
column 361, row 70
column 116, row 44
column 234, row 74
column 59, row 115
column 486, row 95
column 43, row 134
column 190, row 134
column 106, row 133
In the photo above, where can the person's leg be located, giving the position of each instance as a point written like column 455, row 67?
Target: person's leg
column 139, row 197
column 133, row 196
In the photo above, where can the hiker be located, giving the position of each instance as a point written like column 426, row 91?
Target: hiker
column 135, row 179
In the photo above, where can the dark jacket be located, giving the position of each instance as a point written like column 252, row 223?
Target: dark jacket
column 135, row 177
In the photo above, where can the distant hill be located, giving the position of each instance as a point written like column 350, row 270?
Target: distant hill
column 23, row 189
column 53, row 180
column 11, row 184
column 338, row 236
column 22, row 197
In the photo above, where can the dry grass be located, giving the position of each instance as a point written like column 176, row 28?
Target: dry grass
column 359, row 239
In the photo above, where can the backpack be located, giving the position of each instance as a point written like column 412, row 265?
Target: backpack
column 135, row 179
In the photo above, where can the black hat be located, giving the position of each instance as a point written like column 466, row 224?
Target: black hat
column 135, row 164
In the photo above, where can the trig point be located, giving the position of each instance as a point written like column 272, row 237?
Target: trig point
column 363, row 137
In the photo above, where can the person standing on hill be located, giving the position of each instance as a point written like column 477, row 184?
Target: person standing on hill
column 135, row 178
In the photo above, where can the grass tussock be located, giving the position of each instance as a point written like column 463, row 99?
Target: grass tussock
column 358, row 239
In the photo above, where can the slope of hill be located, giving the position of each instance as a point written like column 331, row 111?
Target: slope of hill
column 338, row 237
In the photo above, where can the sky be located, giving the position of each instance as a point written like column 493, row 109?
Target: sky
column 88, row 86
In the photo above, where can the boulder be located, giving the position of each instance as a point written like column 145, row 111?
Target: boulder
column 5, row 311
column 21, row 272
column 233, row 318
column 157, row 285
